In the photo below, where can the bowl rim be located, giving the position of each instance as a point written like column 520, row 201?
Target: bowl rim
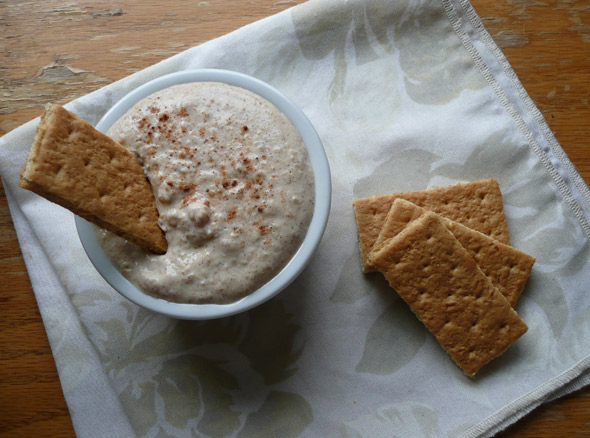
column 322, row 203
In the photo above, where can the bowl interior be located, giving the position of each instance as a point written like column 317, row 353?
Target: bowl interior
column 321, row 170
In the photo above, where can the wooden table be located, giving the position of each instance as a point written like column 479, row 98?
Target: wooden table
column 55, row 51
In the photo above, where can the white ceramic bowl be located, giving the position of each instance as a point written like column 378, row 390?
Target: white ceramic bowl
column 321, row 171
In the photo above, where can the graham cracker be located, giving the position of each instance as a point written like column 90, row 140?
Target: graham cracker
column 83, row 170
column 448, row 292
column 477, row 205
column 507, row 268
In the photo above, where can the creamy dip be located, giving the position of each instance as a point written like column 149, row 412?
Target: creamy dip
column 233, row 186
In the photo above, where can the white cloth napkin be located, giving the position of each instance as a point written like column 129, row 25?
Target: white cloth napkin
column 404, row 95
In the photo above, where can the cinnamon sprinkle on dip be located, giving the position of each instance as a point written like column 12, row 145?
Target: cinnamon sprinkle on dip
column 233, row 185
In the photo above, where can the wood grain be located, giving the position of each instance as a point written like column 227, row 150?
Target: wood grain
column 57, row 50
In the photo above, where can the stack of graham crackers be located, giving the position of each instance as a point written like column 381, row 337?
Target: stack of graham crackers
column 447, row 253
